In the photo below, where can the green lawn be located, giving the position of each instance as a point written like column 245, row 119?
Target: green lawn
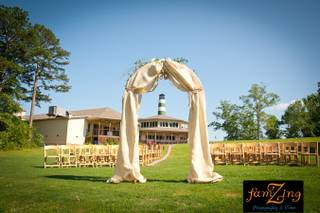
column 26, row 187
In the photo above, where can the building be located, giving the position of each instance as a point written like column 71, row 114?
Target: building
column 102, row 125
column 161, row 128
column 77, row 127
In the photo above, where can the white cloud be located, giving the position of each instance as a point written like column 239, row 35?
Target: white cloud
column 281, row 106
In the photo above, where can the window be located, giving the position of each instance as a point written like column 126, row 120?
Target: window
column 105, row 131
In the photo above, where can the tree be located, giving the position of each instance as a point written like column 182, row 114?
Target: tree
column 14, row 29
column 247, row 124
column 302, row 118
column 46, row 65
column 295, row 120
column 235, row 120
column 257, row 100
column 272, row 127
column 227, row 119
column 312, row 106
column 31, row 62
column 244, row 121
column 14, row 26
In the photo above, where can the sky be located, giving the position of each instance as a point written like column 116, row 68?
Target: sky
column 230, row 44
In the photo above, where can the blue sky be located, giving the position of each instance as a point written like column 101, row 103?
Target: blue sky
column 230, row 44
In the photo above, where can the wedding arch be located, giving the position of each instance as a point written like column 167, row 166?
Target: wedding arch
column 145, row 79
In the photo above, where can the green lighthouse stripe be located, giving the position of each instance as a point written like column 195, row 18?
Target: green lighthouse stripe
column 161, row 112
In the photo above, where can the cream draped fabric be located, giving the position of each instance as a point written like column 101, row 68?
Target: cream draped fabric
column 144, row 80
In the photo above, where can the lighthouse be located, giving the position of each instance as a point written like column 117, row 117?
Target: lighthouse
column 162, row 105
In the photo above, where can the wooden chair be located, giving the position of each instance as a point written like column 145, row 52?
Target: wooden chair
column 235, row 151
column 86, row 156
column 218, row 153
column 159, row 151
column 51, row 156
column 108, row 155
column 100, row 155
column 289, row 153
column 65, row 152
column 150, row 151
column 309, row 151
column 252, row 153
column 143, row 154
column 73, row 155
column 155, row 152
column 114, row 154
column 270, row 153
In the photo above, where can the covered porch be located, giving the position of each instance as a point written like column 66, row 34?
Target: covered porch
column 103, row 131
column 150, row 136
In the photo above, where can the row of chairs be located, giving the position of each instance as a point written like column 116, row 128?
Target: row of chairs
column 281, row 153
column 80, row 155
column 92, row 155
column 149, row 153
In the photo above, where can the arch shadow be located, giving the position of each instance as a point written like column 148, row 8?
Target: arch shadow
column 104, row 179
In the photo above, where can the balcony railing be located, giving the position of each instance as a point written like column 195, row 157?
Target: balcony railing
column 152, row 141
column 96, row 132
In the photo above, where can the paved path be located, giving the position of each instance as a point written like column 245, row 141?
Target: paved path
column 163, row 158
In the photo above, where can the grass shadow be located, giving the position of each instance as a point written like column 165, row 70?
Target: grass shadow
column 104, row 179
column 78, row 178
column 167, row 181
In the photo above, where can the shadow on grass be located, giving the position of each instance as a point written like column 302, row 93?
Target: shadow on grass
column 104, row 179
column 78, row 178
column 167, row 181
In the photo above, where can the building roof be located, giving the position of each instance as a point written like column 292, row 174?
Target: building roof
column 103, row 113
column 162, row 117
column 161, row 129
column 98, row 113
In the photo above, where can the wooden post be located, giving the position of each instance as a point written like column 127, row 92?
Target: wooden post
column 147, row 138
column 99, row 131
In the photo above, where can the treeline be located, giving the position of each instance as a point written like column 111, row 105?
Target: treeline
column 31, row 64
column 248, row 120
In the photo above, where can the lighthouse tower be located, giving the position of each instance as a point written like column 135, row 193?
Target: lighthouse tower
column 162, row 105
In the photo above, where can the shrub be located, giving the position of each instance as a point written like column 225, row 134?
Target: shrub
column 16, row 134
